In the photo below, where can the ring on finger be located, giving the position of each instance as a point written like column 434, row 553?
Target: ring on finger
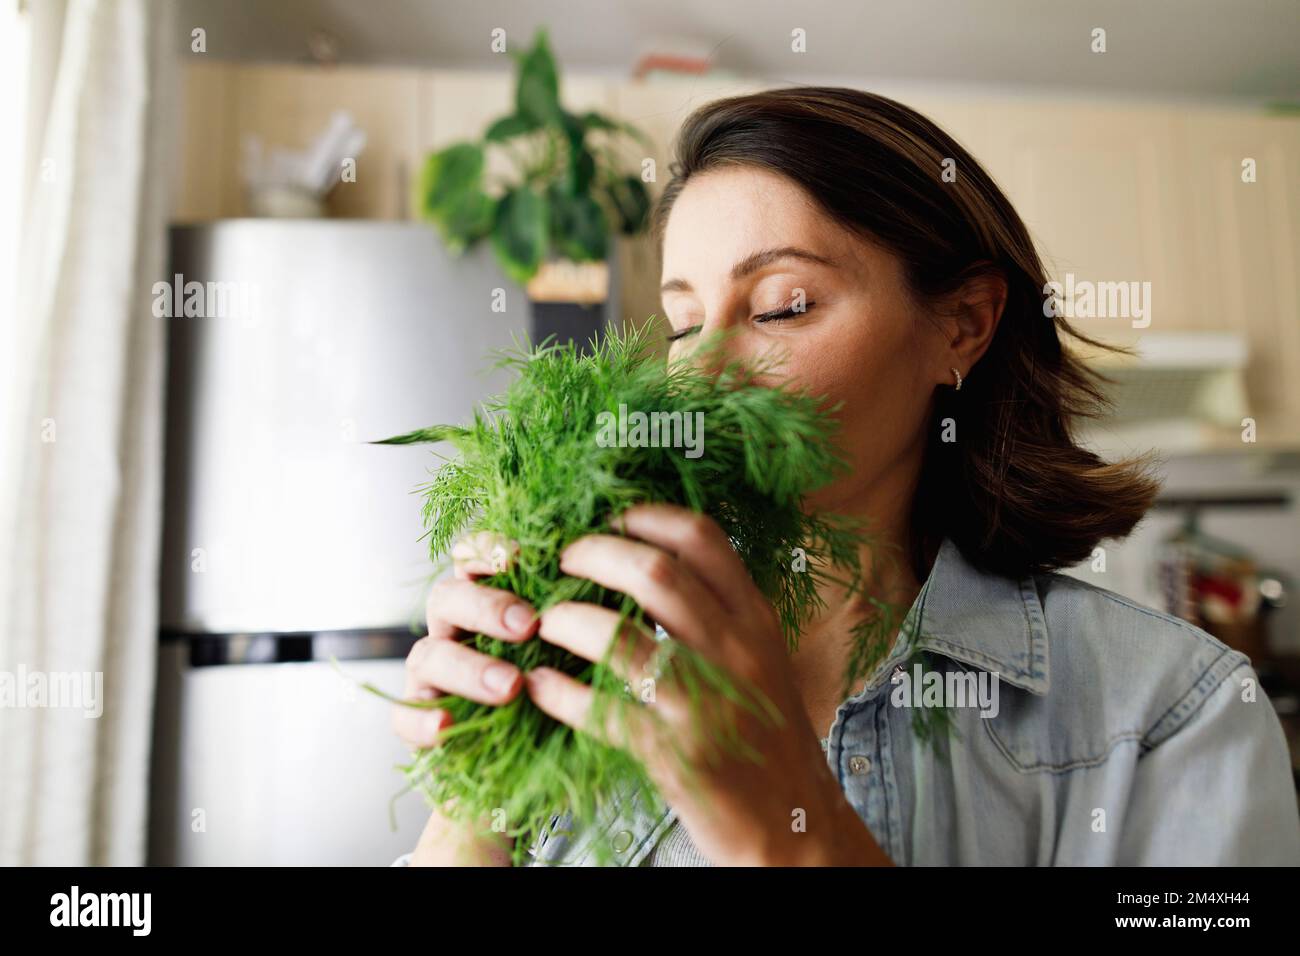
column 661, row 659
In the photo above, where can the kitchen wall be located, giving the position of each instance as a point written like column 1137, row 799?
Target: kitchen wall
column 1113, row 190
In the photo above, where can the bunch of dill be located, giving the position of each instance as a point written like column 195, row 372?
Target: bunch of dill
column 537, row 467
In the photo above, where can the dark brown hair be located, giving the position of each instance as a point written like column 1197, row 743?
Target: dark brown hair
column 1015, row 492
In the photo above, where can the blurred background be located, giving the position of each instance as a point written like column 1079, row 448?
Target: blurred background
column 242, row 239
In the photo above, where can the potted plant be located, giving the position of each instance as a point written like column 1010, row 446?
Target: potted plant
column 550, row 223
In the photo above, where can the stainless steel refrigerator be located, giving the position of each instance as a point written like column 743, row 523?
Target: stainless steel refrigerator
column 288, row 539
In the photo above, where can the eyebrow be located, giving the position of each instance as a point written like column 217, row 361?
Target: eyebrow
column 753, row 263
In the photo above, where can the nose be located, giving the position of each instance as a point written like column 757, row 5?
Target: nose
column 707, row 354
column 713, row 348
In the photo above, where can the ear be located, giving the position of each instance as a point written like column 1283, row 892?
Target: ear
column 973, row 315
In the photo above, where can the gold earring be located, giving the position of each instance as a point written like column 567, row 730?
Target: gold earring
column 958, row 374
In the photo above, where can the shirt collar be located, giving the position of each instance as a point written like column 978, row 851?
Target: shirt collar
column 986, row 620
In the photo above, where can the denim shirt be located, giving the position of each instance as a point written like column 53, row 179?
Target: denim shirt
column 1120, row 736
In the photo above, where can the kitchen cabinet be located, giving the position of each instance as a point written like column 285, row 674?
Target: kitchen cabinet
column 205, row 180
column 287, row 107
column 291, row 105
column 1149, row 193
column 1246, row 242
column 658, row 109
column 1100, row 190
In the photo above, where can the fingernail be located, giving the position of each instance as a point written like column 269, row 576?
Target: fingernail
column 519, row 617
column 433, row 720
column 499, row 558
column 498, row 678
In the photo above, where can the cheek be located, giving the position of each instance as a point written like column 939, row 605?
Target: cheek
column 876, row 371
column 869, row 362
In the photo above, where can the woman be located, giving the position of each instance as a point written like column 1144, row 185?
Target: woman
column 819, row 223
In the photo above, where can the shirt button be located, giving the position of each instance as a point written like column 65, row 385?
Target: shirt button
column 859, row 764
column 622, row 840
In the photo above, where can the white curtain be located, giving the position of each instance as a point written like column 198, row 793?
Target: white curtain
column 82, row 453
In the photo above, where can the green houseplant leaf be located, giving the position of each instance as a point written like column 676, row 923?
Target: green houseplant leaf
column 580, row 165
column 466, row 219
column 520, row 232
column 509, row 127
column 578, row 226
column 537, row 94
column 631, row 201
column 593, row 120
column 449, row 174
column 567, row 196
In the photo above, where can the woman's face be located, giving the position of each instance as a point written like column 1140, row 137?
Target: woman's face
column 742, row 247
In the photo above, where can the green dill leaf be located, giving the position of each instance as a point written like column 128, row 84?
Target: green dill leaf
column 534, row 468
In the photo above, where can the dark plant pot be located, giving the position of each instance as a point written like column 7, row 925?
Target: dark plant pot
column 577, row 322
column 569, row 322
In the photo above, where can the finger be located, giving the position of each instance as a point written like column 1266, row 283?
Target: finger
column 415, row 689
column 590, row 632
column 449, row 667
column 419, row 728
column 697, row 541
column 481, row 554
column 456, row 604
column 667, row 589
column 623, row 725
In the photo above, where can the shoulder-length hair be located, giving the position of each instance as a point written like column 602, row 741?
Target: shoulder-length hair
column 1016, row 492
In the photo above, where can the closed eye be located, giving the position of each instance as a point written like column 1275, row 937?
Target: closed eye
column 778, row 315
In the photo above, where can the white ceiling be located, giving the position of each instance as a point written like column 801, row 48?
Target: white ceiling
column 1220, row 49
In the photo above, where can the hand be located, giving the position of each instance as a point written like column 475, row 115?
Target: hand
column 440, row 664
column 682, row 570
